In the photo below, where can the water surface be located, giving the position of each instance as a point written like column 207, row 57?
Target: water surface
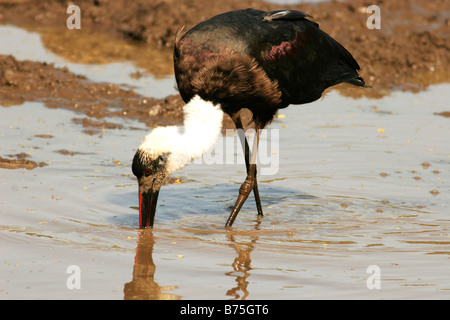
column 355, row 183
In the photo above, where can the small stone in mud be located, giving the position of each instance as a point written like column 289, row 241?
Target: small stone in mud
column 425, row 165
column 383, row 174
column 434, row 192
column 90, row 123
column 43, row 136
column 69, row 153
column 21, row 155
column 170, row 180
column 136, row 75
column 445, row 114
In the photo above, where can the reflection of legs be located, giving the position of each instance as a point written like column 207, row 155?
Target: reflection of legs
column 240, row 129
column 241, row 266
column 248, row 185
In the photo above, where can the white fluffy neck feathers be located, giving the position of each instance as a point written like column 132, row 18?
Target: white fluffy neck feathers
column 201, row 128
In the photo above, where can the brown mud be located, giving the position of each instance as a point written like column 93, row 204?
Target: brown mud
column 409, row 52
column 20, row 162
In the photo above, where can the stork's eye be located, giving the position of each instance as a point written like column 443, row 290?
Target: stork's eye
column 148, row 172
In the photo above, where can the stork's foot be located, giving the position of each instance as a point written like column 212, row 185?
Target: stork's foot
column 244, row 191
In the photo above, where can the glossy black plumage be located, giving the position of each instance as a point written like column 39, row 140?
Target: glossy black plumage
column 260, row 60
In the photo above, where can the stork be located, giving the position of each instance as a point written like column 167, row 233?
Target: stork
column 262, row 61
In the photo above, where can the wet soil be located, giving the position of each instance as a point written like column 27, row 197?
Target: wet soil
column 410, row 51
column 58, row 88
column 20, row 162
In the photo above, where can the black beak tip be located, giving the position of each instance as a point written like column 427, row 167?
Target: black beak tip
column 147, row 208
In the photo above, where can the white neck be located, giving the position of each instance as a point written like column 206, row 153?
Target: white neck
column 201, row 128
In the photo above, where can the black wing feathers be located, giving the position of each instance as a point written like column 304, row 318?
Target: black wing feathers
column 302, row 58
column 284, row 46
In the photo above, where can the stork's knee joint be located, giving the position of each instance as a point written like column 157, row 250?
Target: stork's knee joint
column 247, row 186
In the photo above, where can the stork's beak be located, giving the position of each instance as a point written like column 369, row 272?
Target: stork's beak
column 147, row 206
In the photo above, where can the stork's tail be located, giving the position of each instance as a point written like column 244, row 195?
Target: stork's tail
column 358, row 81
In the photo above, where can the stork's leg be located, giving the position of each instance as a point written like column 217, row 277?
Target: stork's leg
column 248, row 184
column 240, row 129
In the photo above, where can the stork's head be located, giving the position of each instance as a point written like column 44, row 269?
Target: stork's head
column 151, row 170
column 158, row 156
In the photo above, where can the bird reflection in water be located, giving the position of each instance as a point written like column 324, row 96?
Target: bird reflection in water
column 241, row 266
column 143, row 286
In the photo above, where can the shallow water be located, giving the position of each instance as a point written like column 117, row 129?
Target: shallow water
column 350, row 183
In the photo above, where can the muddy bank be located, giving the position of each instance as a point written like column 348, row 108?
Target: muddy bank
column 21, row 162
column 409, row 52
column 59, row 88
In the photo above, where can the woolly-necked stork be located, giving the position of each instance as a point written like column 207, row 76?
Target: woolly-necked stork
column 262, row 61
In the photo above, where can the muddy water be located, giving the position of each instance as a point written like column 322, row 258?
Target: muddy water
column 348, row 184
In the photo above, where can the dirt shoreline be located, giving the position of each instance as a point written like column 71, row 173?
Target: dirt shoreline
column 409, row 52
column 20, row 162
